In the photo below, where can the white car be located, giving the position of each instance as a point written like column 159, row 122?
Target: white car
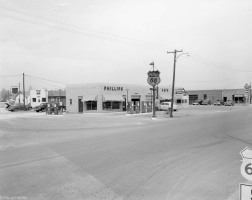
column 166, row 105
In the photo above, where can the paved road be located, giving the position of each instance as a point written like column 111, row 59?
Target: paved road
column 195, row 157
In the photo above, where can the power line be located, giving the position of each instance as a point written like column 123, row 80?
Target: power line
column 111, row 37
column 86, row 29
column 46, row 79
column 7, row 76
column 88, row 34
column 43, row 83
column 79, row 31
column 216, row 66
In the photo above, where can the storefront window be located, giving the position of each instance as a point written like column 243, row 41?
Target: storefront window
column 91, row 105
column 110, row 105
column 239, row 99
column 107, row 105
column 179, row 101
column 116, row 105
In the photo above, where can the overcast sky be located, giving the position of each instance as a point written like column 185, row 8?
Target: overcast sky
column 114, row 41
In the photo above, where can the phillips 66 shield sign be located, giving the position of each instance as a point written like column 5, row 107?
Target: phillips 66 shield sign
column 246, row 167
column 153, row 78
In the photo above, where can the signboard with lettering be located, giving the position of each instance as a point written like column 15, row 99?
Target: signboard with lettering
column 112, row 88
column 239, row 95
column 153, row 78
column 180, row 91
column 247, row 88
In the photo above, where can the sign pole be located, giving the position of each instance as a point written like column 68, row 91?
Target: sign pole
column 153, row 80
column 154, row 110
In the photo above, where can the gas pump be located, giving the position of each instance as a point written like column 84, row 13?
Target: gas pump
column 49, row 109
column 55, row 109
column 137, row 107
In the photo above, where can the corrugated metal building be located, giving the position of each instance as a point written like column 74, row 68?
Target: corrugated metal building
column 239, row 96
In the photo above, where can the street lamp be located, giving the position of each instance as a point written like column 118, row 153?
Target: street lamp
column 183, row 54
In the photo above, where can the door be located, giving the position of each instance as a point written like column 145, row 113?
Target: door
column 124, row 105
column 80, row 104
column 136, row 104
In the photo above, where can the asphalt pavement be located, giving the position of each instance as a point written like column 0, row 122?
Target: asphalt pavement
column 194, row 155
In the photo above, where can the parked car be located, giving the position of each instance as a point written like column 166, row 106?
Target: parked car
column 207, row 102
column 18, row 106
column 218, row 103
column 198, row 102
column 229, row 103
column 41, row 107
column 63, row 108
column 167, row 105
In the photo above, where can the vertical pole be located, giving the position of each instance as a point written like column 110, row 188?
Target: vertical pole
column 173, row 82
column 19, row 93
column 250, row 94
column 126, row 106
column 154, row 107
column 154, row 110
column 127, row 99
column 24, row 89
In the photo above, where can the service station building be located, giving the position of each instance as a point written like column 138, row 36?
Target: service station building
column 106, row 97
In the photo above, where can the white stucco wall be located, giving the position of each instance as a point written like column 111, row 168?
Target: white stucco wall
column 38, row 95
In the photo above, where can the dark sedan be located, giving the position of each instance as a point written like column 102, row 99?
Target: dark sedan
column 41, row 107
column 18, row 106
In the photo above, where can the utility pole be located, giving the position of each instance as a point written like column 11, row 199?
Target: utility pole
column 173, row 81
column 250, row 93
column 19, row 93
column 24, row 89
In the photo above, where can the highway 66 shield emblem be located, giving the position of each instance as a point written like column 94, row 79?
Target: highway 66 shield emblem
column 246, row 167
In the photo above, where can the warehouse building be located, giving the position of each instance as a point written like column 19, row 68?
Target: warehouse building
column 105, row 97
column 238, row 96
